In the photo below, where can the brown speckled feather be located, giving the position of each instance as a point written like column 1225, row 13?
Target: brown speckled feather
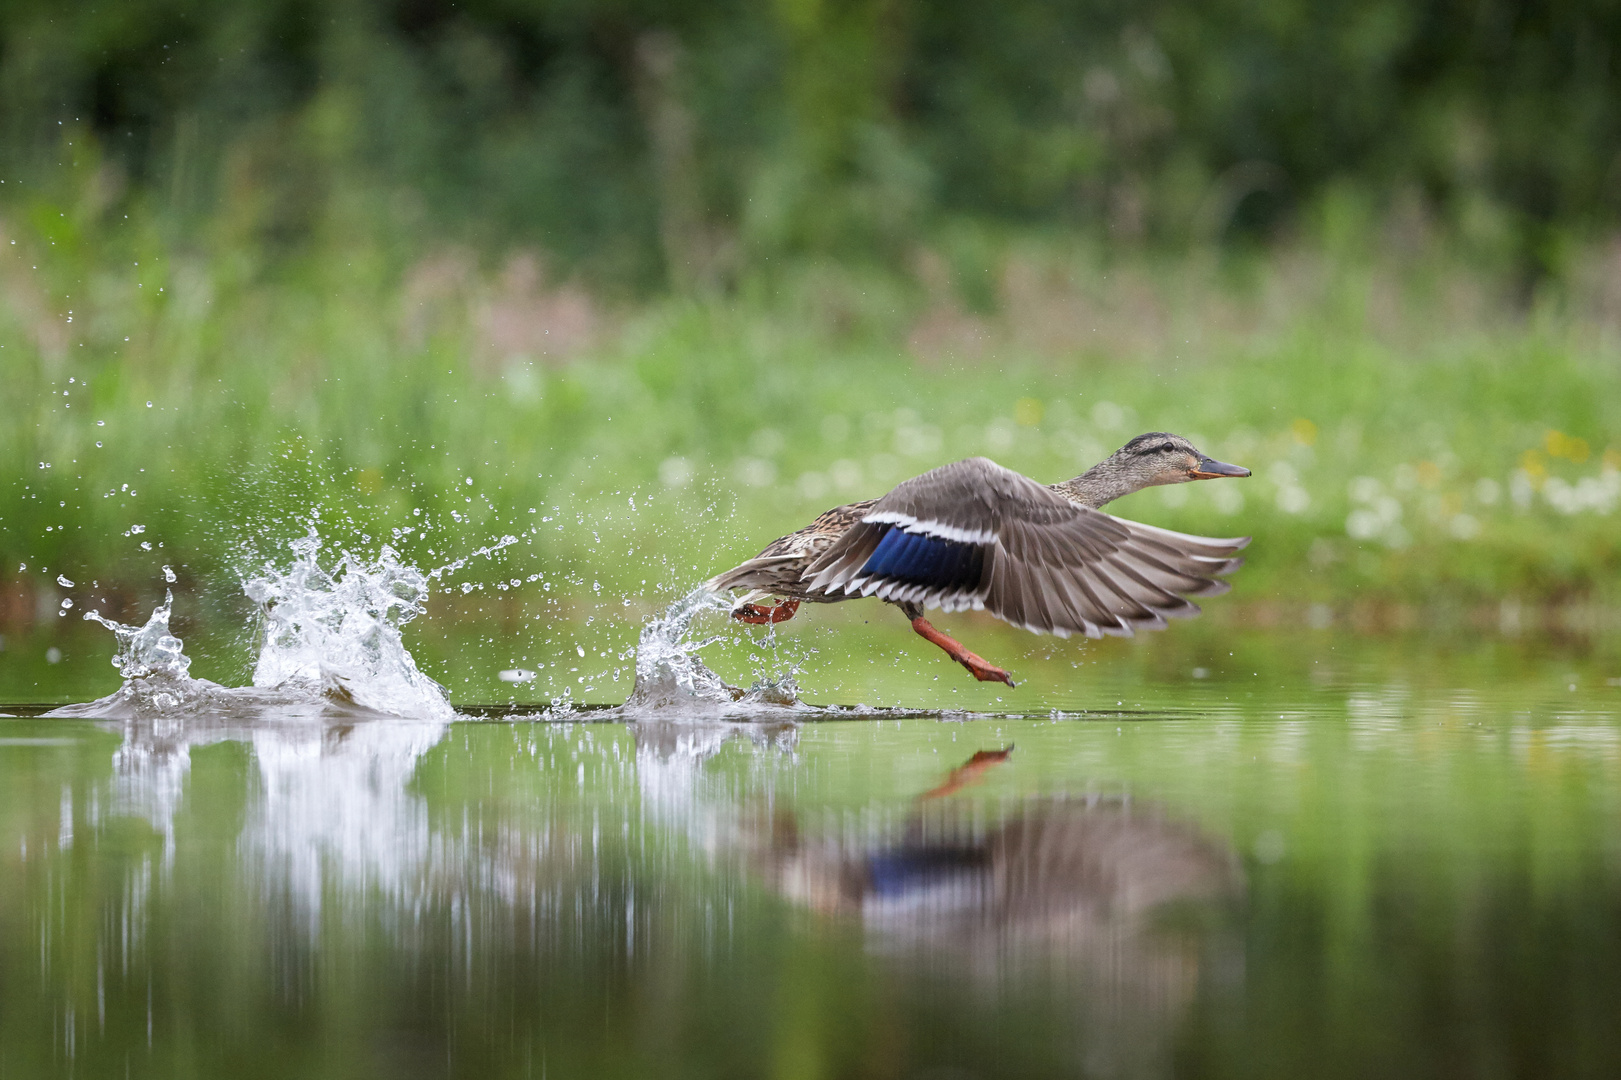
column 779, row 569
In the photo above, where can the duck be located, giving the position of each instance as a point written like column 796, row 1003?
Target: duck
column 975, row 536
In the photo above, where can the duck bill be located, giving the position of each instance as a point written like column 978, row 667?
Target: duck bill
column 1211, row 469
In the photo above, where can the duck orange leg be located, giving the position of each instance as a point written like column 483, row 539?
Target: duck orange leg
column 979, row 668
column 755, row 615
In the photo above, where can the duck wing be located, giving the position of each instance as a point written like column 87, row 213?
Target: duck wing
column 973, row 535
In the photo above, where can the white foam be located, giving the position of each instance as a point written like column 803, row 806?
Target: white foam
column 338, row 631
column 331, row 641
column 668, row 673
column 155, row 668
column 672, row 681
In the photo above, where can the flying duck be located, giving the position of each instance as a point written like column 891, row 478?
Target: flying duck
column 973, row 535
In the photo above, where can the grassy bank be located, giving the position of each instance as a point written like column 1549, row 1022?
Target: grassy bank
column 1418, row 434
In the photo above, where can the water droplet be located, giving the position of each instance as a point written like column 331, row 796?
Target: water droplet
column 168, row 575
column 61, row 579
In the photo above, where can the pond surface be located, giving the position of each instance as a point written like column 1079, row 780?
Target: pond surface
column 1328, row 857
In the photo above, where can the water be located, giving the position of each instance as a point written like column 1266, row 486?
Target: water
column 1210, row 853
column 338, row 632
column 672, row 680
column 329, row 640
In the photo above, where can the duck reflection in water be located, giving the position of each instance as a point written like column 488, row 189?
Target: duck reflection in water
column 1112, row 896
column 1096, row 886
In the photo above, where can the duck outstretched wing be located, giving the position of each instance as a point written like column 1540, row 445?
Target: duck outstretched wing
column 973, row 535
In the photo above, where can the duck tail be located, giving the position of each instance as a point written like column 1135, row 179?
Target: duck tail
column 769, row 573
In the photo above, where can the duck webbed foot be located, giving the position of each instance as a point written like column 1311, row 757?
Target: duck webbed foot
column 755, row 615
column 978, row 667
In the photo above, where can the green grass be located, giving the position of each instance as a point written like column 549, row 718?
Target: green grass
column 1417, row 440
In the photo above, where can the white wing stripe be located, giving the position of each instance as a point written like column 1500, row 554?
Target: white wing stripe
column 910, row 524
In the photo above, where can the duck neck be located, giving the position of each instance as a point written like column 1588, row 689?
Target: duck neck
column 1097, row 486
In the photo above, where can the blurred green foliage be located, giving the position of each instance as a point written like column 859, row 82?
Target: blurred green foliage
column 675, row 277
column 1416, row 438
column 692, row 143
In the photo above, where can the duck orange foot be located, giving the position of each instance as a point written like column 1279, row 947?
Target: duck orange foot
column 755, row 615
column 977, row 666
column 983, row 670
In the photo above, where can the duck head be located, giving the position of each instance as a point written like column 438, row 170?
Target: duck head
column 1159, row 457
column 1146, row 461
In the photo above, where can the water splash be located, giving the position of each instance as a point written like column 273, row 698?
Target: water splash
column 331, row 643
column 670, row 678
column 668, row 673
column 339, row 631
column 155, row 669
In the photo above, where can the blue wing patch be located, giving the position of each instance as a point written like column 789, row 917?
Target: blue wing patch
column 917, row 559
column 893, row 874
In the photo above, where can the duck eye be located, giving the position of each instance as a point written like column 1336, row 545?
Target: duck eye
column 1165, row 448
